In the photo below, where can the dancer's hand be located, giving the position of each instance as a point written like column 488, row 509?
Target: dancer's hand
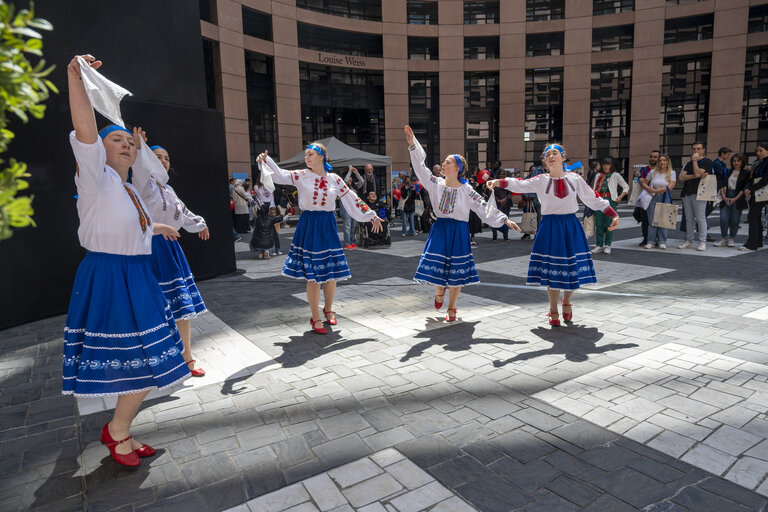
column 167, row 231
column 262, row 157
column 614, row 223
column 377, row 227
column 73, row 68
column 409, row 135
column 491, row 183
column 139, row 136
column 204, row 234
column 512, row 225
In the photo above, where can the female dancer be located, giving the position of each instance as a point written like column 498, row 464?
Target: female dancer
column 560, row 258
column 120, row 338
column 656, row 183
column 759, row 179
column 316, row 254
column 169, row 264
column 447, row 260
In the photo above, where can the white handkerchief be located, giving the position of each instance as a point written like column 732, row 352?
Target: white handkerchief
column 105, row 96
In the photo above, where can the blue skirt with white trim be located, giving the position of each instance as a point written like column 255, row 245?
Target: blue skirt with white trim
column 560, row 258
column 447, row 258
column 316, row 253
column 120, row 336
column 169, row 264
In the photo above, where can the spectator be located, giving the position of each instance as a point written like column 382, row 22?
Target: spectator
column 640, row 213
column 533, row 199
column 264, row 234
column 408, row 195
column 373, row 202
column 370, row 181
column 503, row 202
column 695, row 211
column 475, row 224
column 758, row 179
column 437, row 170
column 241, row 199
column 656, row 183
column 594, row 168
column 355, row 182
column 606, row 185
column 730, row 186
column 261, row 194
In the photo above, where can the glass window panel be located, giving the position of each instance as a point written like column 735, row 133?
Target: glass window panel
column 691, row 28
column 758, row 18
column 543, row 111
column 323, row 39
column 257, row 24
column 422, row 12
column 537, row 10
column 481, row 48
column 613, row 38
column 754, row 117
column 481, row 13
column 611, row 94
column 262, row 115
column 550, row 43
column 481, row 118
column 424, row 112
column 612, row 6
column 424, row 48
column 359, row 9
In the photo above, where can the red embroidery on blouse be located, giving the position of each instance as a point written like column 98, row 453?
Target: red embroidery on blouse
column 610, row 212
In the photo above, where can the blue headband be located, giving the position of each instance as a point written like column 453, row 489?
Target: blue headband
column 152, row 148
column 318, row 149
column 457, row 159
column 555, row 146
column 112, row 128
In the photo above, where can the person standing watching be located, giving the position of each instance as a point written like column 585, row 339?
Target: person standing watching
column 606, row 186
column 758, row 179
column 695, row 212
column 355, row 182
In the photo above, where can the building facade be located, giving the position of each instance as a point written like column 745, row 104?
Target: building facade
column 494, row 80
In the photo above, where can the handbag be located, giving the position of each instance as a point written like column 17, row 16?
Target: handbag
column 761, row 194
column 529, row 223
column 589, row 226
column 418, row 205
column 636, row 189
column 707, row 190
column 665, row 214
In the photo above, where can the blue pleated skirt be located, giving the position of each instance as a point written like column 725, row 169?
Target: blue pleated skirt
column 447, row 257
column 560, row 258
column 316, row 253
column 120, row 336
column 169, row 264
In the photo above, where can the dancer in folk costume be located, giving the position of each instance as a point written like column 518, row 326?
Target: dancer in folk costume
column 560, row 258
column 169, row 264
column 447, row 260
column 120, row 338
column 316, row 254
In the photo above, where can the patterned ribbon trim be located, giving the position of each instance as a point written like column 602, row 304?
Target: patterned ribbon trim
column 143, row 217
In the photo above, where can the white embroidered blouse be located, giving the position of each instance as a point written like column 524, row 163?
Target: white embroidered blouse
column 319, row 193
column 450, row 202
column 165, row 207
column 113, row 218
column 545, row 188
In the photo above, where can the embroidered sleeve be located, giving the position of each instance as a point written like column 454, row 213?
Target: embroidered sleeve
column 272, row 174
column 425, row 176
column 591, row 197
column 487, row 211
column 520, row 186
column 356, row 208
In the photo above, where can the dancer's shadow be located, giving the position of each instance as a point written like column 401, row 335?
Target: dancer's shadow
column 302, row 349
column 455, row 338
column 576, row 343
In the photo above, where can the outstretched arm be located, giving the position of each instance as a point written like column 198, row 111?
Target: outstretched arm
column 590, row 198
column 271, row 173
column 417, row 162
column 83, row 119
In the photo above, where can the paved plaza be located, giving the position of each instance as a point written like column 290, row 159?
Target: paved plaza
column 655, row 398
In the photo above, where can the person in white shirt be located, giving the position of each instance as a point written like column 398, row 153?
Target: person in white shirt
column 560, row 258
column 169, row 264
column 316, row 254
column 656, row 183
column 447, row 261
column 606, row 186
column 349, row 224
column 119, row 338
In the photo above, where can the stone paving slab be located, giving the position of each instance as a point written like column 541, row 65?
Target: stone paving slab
column 707, row 409
column 672, row 243
column 385, row 481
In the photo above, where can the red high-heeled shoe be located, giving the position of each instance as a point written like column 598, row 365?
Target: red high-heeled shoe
column 448, row 317
column 567, row 316
column 128, row 459
column 145, row 451
column 318, row 330
column 331, row 321
column 554, row 318
column 197, row 372
column 438, row 305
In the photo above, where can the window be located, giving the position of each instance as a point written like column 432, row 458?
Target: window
column 681, row 2
column 345, row 103
column 543, row 111
column 262, row 118
column 313, row 37
column 210, row 65
column 684, row 104
column 691, row 28
column 537, row 10
column 612, row 6
column 758, row 19
column 610, row 95
column 544, row 44
column 481, row 48
column 257, row 24
column 480, row 13
column 424, row 112
column 481, row 118
column 358, row 9
column 425, row 48
column 208, row 10
column 754, row 119
column 613, row 38
column 422, row 13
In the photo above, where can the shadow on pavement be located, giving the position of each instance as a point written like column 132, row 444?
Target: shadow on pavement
column 455, row 338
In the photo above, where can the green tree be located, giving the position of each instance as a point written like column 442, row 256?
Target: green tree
column 23, row 87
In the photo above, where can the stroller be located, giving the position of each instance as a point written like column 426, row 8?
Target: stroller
column 369, row 239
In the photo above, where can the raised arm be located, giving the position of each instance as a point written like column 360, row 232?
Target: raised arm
column 271, row 173
column 417, row 162
column 83, row 118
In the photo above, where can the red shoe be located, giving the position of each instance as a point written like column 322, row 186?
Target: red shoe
column 331, row 321
column 197, row 372
column 554, row 318
column 569, row 315
column 348, row 247
column 145, row 451
column 321, row 329
column 352, row 247
column 128, row 459
column 438, row 305
column 448, row 317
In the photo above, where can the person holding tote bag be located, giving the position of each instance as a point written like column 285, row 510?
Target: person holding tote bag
column 731, row 183
column 657, row 184
column 757, row 196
